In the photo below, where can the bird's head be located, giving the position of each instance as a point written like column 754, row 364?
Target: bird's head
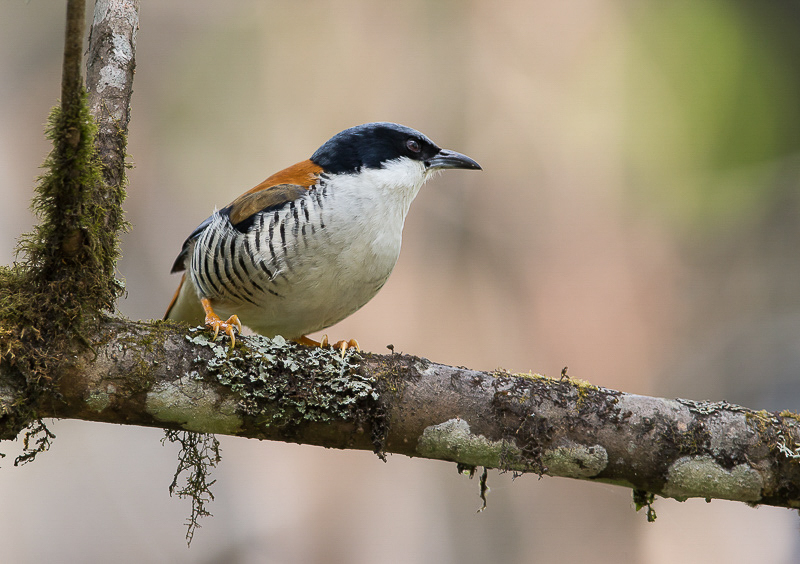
column 384, row 145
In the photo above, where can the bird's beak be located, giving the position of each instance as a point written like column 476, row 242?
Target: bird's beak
column 451, row 159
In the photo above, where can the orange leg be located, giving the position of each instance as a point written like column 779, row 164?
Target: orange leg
column 305, row 341
column 341, row 345
column 214, row 322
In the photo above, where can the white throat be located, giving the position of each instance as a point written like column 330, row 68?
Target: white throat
column 395, row 185
column 369, row 209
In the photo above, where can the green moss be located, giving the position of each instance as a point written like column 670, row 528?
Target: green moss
column 584, row 390
column 65, row 276
column 762, row 421
column 644, row 499
column 76, row 241
column 793, row 417
column 503, row 373
column 531, row 376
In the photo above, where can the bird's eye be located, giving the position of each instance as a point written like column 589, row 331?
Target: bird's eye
column 413, row 146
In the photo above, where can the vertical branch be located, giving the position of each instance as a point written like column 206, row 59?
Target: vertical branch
column 61, row 240
column 71, row 105
column 109, row 80
column 73, row 56
column 67, row 277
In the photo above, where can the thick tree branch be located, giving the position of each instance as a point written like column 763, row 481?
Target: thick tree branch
column 154, row 375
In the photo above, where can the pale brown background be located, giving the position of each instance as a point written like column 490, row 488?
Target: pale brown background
column 636, row 220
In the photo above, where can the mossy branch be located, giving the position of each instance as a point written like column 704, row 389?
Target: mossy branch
column 65, row 280
column 71, row 77
column 66, row 275
column 154, row 374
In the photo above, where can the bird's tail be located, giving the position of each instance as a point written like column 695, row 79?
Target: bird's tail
column 185, row 304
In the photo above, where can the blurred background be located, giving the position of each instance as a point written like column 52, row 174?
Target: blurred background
column 636, row 220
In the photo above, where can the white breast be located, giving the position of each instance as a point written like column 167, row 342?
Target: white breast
column 331, row 274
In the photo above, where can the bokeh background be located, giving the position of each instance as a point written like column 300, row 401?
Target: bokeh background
column 636, row 220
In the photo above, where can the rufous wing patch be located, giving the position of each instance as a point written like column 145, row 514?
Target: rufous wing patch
column 305, row 173
column 283, row 186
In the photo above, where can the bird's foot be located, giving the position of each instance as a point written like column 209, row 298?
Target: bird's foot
column 213, row 321
column 339, row 345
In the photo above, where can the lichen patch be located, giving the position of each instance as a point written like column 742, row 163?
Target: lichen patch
column 194, row 406
column 575, row 460
column 98, row 401
column 702, row 476
column 453, row 440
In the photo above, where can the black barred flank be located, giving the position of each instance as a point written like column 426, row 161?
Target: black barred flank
column 246, row 267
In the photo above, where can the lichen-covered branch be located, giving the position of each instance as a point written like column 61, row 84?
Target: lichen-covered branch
column 157, row 375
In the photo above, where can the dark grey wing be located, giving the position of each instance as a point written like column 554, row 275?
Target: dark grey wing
column 180, row 262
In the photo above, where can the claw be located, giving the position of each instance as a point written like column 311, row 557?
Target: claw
column 345, row 345
column 213, row 321
column 323, row 343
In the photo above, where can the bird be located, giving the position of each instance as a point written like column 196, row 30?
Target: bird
column 312, row 243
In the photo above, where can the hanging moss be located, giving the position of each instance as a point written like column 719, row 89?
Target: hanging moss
column 64, row 275
column 66, row 272
column 75, row 246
